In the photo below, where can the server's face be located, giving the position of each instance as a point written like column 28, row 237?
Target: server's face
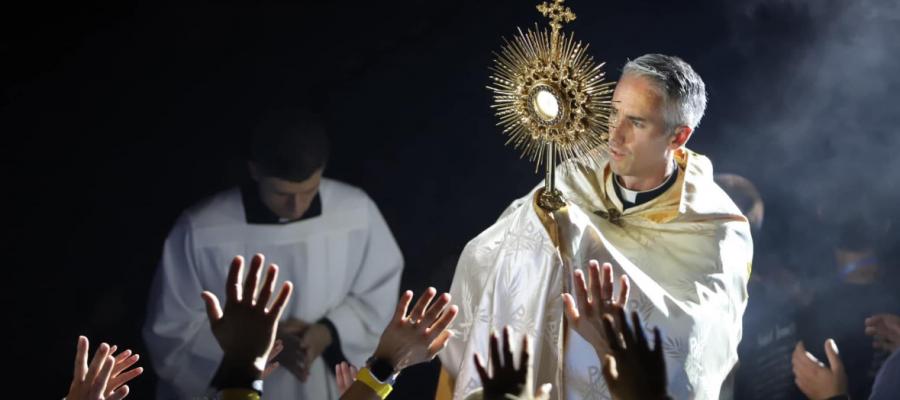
column 289, row 199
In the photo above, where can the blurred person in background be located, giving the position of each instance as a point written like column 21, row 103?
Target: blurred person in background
column 848, row 292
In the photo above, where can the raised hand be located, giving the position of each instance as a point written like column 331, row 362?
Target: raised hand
column 103, row 379
column 814, row 379
column 408, row 339
column 417, row 337
column 246, row 328
column 507, row 381
column 121, row 374
column 593, row 299
column 631, row 369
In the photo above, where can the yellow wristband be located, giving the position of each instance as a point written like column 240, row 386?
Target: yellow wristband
column 381, row 389
column 238, row 394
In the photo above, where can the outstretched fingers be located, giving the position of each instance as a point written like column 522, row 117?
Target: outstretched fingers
column 481, row 368
column 418, row 311
column 268, row 287
column 81, row 366
column 281, row 301
column 444, row 321
column 403, row 306
column 234, row 291
column 250, row 286
column 624, row 289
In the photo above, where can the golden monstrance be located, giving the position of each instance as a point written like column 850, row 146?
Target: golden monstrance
column 551, row 98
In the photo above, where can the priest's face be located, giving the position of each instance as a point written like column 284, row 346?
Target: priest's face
column 640, row 143
column 288, row 199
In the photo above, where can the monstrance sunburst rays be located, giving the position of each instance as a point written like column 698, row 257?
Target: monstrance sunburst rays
column 550, row 97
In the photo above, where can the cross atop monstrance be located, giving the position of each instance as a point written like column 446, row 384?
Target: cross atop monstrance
column 551, row 98
column 557, row 13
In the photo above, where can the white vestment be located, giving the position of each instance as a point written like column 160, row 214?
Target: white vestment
column 687, row 252
column 344, row 264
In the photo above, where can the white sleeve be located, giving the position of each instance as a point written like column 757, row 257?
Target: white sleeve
column 369, row 305
column 181, row 345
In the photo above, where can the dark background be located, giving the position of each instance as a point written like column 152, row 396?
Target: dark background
column 118, row 115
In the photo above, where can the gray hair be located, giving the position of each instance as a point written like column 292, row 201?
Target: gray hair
column 684, row 91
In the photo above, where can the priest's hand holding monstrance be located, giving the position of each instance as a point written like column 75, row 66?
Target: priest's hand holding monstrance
column 551, row 98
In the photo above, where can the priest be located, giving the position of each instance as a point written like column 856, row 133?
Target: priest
column 328, row 238
column 653, row 211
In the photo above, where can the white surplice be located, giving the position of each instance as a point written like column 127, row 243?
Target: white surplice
column 344, row 263
column 687, row 252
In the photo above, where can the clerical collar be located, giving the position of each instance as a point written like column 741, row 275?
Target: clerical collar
column 257, row 213
column 631, row 198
